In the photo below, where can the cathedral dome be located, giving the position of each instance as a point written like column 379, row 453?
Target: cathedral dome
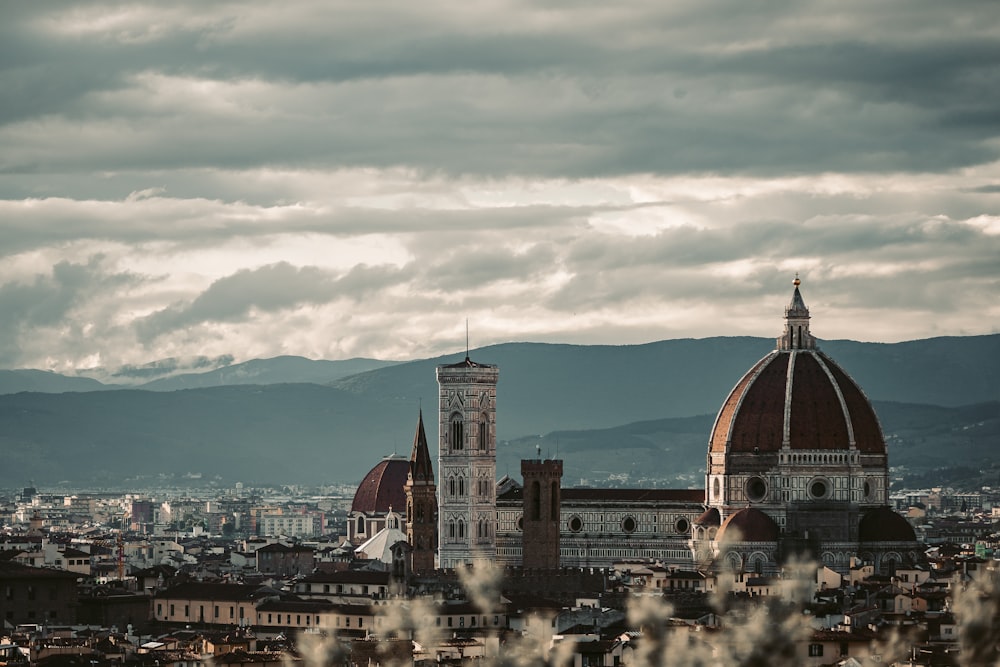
column 881, row 524
column 797, row 397
column 748, row 525
column 382, row 487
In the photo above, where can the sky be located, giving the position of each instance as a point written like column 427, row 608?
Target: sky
column 208, row 182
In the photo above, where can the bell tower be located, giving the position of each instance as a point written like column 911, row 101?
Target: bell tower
column 466, row 462
column 421, row 504
column 540, row 518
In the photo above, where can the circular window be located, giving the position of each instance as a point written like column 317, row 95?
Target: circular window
column 819, row 488
column 682, row 525
column 576, row 524
column 868, row 489
column 756, row 489
column 628, row 524
column 520, row 523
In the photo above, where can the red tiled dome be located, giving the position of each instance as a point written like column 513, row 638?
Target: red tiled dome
column 709, row 517
column 382, row 487
column 884, row 525
column 799, row 396
column 748, row 525
column 823, row 409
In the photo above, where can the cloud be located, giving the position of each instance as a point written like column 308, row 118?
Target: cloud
column 164, row 367
column 269, row 289
column 56, row 307
column 991, row 188
column 187, row 180
column 579, row 91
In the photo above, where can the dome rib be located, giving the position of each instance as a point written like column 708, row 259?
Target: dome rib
column 818, row 418
column 759, row 420
column 866, row 429
column 723, row 428
column 825, row 364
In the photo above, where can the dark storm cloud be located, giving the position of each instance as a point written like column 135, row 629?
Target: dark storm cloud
column 570, row 91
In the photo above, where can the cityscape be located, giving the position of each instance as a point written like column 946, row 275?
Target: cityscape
column 340, row 333
column 421, row 564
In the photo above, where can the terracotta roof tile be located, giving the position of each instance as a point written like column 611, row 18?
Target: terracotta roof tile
column 382, row 487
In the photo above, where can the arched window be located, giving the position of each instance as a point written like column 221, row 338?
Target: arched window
column 451, row 529
column 484, row 431
column 461, row 529
column 457, row 432
column 361, row 525
column 451, row 486
column 461, row 487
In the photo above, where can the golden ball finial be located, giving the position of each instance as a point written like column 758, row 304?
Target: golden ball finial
column 796, row 282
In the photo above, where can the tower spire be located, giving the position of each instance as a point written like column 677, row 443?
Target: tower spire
column 420, row 456
column 421, row 503
column 796, row 335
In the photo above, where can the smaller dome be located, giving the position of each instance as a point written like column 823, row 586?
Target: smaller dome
column 748, row 525
column 383, row 487
column 709, row 517
column 884, row 525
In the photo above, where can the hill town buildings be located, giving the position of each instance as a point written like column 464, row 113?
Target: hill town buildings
column 796, row 467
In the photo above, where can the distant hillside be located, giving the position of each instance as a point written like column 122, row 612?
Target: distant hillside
column 284, row 433
column 270, row 371
column 277, row 370
column 309, row 434
column 27, row 379
column 312, row 433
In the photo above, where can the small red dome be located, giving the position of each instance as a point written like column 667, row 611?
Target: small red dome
column 709, row 517
column 884, row 525
column 383, row 487
column 748, row 525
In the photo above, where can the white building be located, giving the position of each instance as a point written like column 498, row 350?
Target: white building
column 466, row 462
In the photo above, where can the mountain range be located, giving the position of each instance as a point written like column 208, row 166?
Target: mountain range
column 628, row 413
